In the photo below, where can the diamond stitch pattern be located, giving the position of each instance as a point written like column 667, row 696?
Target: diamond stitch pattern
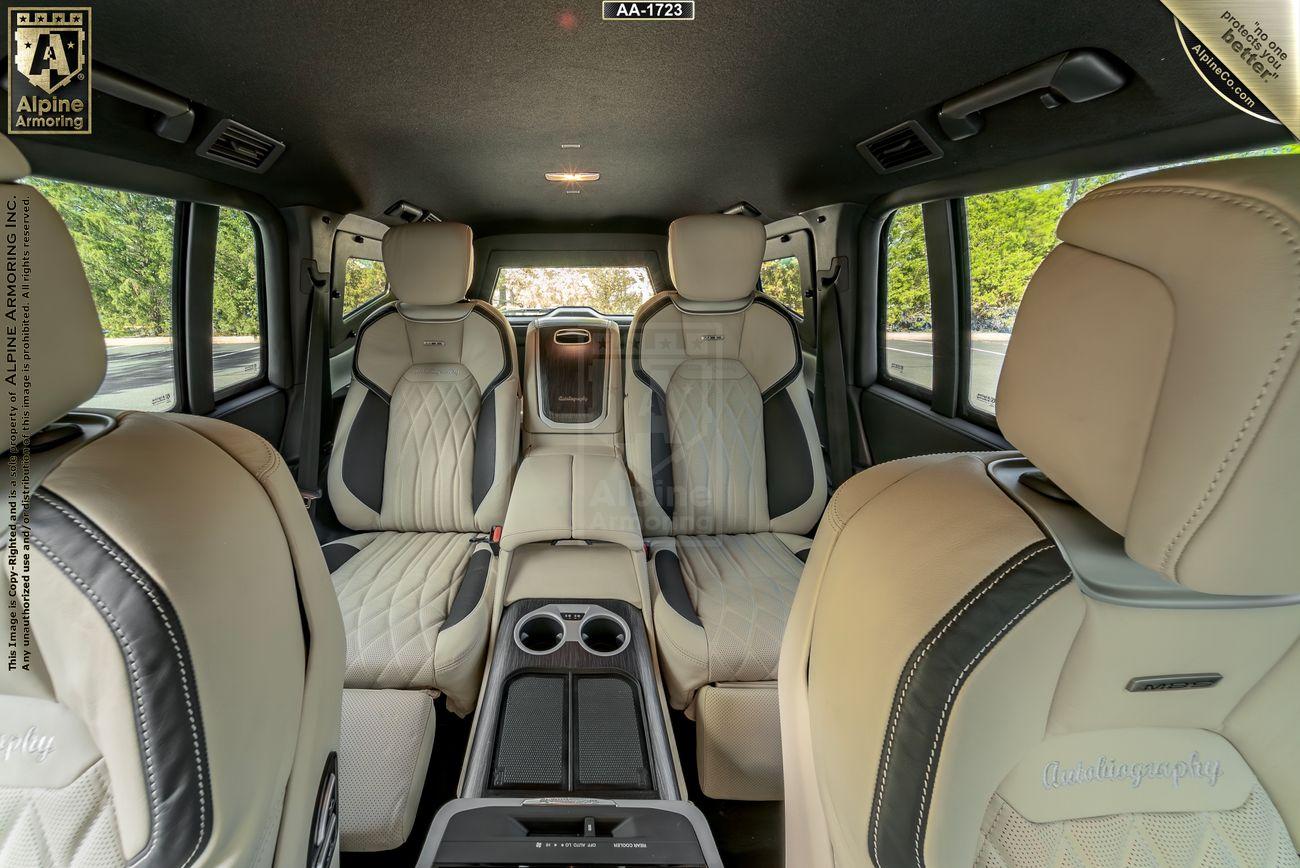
column 742, row 586
column 72, row 827
column 719, row 466
column 1252, row 836
column 395, row 595
column 428, row 477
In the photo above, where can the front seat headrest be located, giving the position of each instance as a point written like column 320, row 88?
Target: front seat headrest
column 54, row 355
column 1151, row 371
column 429, row 264
column 715, row 257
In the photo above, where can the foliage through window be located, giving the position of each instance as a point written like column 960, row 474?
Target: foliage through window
column 364, row 280
column 606, row 289
column 126, row 242
column 1010, row 233
column 909, row 344
column 236, row 303
column 781, row 279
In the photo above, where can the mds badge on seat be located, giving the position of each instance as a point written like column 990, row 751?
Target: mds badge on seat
column 49, row 70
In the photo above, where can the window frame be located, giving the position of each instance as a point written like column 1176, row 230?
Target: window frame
column 912, row 390
column 344, row 325
column 261, row 378
column 181, row 214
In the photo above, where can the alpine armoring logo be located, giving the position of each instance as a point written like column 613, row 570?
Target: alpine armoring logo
column 49, row 70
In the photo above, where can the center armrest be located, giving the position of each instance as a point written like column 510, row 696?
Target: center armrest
column 561, row 495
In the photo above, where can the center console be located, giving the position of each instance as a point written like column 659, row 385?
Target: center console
column 571, row 760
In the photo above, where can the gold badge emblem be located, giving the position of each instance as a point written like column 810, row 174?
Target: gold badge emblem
column 49, row 70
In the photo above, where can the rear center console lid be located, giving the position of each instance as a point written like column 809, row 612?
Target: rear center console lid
column 572, row 495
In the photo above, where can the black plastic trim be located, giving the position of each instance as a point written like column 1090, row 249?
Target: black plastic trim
column 927, row 690
column 156, row 657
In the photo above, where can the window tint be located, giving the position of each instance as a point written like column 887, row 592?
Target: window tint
column 236, row 303
column 908, row 344
column 606, row 289
column 126, row 245
column 364, row 280
column 780, row 278
column 1009, row 234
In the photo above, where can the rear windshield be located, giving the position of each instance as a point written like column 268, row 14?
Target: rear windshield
column 606, row 289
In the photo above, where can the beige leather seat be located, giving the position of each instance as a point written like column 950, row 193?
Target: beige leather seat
column 727, row 473
column 960, row 687
column 174, row 698
column 422, row 464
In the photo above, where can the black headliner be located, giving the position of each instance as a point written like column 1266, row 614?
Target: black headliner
column 461, row 106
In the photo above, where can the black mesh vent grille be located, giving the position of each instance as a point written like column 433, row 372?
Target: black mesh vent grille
column 611, row 747
column 532, row 742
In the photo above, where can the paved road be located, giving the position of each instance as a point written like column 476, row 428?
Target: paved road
column 912, row 360
column 143, row 377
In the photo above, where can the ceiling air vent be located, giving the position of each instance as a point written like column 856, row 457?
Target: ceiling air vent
column 237, row 145
column 899, row 147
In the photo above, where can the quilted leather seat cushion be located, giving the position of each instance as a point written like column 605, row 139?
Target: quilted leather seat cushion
column 741, row 587
column 398, row 592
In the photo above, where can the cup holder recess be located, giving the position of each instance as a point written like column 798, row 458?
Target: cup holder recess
column 603, row 635
column 540, row 633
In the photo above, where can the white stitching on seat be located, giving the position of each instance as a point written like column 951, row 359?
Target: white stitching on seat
column 180, row 660
column 1274, row 217
column 956, row 685
column 135, row 683
column 902, row 695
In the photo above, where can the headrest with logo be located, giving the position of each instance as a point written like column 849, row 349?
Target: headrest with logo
column 62, row 332
column 715, row 257
column 429, row 264
column 1152, row 370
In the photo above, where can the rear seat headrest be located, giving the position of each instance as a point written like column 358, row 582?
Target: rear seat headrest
column 429, row 264
column 715, row 257
column 66, row 343
column 1151, row 372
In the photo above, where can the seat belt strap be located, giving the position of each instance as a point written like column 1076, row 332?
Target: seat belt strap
column 830, row 351
column 314, row 389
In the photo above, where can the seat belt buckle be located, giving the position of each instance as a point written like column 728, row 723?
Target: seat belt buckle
column 495, row 539
column 309, row 497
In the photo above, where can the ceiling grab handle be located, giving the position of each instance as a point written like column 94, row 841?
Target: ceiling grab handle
column 1073, row 76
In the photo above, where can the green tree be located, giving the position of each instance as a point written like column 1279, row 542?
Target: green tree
column 780, row 279
column 125, row 241
column 234, row 277
column 907, row 279
column 363, row 280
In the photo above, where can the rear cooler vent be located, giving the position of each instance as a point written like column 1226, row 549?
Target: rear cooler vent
column 234, row 144
column 899, row 147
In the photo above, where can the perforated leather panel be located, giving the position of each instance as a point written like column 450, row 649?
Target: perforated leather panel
column 54, row 828
column 1252, row 836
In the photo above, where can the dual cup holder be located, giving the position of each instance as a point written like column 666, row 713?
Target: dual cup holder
column 597, row 630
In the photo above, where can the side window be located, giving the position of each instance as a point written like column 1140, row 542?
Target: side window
column 126, row 242
column 1010, row 233
column 781, row 279
column 364, row 280
column 236, row 303
column 908, row 344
